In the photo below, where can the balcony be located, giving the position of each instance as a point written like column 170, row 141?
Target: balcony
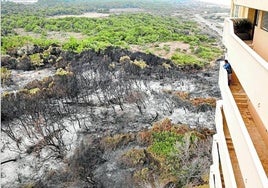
column 252, row 71
column 244, row 144
column 258, row 141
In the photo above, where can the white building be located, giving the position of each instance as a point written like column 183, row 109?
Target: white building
column 240, row 146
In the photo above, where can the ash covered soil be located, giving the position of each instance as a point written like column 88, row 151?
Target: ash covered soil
column 77, row 126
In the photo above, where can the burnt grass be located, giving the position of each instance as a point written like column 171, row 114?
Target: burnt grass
column 105, row 94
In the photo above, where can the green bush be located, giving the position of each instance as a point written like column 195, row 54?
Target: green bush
column 62, row 72
column 164, row 142
column 184, row 59
column 207, row 52
column 141, row 64
column 10, row 42
column 5, row 75
column 36, row 60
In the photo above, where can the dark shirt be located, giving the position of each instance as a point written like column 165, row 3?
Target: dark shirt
column 228, row 68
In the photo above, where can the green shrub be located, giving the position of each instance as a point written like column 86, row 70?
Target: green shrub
column 207, row 52
column 166, row 48
column 34, row 91
column 36, row 60
column 10, row 42
column 184, row 59
column 116, row 30
column 166, row 66
column 61, row 72
column 124, row 59
column 141, row 64
column 115, row 141
column 5, row 75
column 133, row 157
column 164, row 142
column 242, row 25
column 142, row 175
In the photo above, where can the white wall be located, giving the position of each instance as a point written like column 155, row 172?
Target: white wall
column 256, row 4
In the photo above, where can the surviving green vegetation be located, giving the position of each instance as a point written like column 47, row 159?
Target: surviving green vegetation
column 122, row 30
column 173, row 153
column 5, row 75
column 64, row 7
column 118, row 30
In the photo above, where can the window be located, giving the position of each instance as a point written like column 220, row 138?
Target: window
column 236, row 11
column 256, row 17
column 264, row 23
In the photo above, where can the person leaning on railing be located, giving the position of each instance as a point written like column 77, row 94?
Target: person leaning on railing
column 228, row 68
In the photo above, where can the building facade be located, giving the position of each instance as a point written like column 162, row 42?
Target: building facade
column 240, row 146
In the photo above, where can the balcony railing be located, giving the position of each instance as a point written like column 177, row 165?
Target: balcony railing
column 220, row 151
column 215, row 174
column 251, row 168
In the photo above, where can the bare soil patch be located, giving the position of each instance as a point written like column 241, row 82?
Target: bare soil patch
column 54, row 35
column 164, row 49
column 86, row 15
column 101, row 15
column 121, row 10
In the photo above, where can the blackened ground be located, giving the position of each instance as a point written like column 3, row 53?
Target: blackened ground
column 110, row 97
